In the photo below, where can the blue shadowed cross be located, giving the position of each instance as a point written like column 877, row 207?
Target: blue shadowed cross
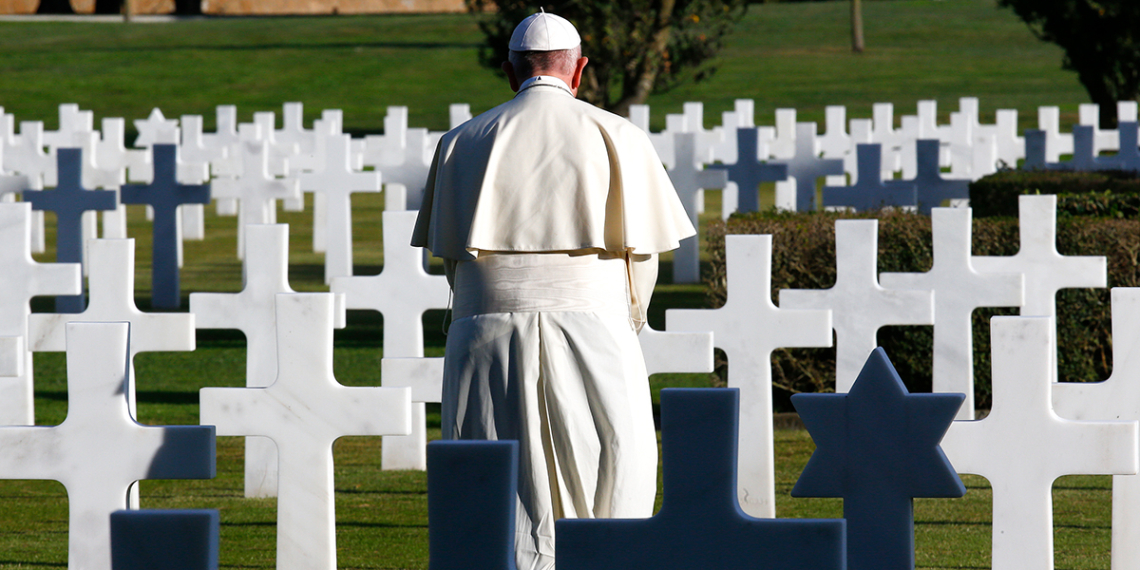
column 878, row 448
column 471, row 504
column 870, row 191
column 932, row 188
column 700, row 524
column 165, row 195
column 748, row 172
column 69, row 200
column 167, row 539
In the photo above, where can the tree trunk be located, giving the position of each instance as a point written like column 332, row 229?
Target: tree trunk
column 650, row 64
column 1096, row 83
column 55, row 7
column 857, row 26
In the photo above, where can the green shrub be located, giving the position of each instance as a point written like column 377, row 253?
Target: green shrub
column 996, row 194
column 803, row 257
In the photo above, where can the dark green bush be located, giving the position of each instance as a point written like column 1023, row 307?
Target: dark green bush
column 803, row 257
column 996, row 194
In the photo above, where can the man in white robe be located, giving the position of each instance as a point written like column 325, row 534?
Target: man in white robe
column 549, row 214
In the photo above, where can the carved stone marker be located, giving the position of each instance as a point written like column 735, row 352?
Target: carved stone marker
column 690, row 179
column 748, row 328
column 165, row 195
column 69, row 200
column 185, row 539
column 700, row 524
column 748, row 172
column 931, row 187
column 255, row 188
column 870, row 191
column 676, row 352
column 466, row 530
column 805, row 167
column 425, row 377
column 304, row 411
column 958, row 289
column 859, row 306
column 1117, row 398
column 877, row 448
column 1022, row 446
column 100, row 450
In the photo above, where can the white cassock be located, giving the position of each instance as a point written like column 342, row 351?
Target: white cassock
column 549, row 213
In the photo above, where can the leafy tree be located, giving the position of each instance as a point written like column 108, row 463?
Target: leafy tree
column 1101, row 39
column 634, row 46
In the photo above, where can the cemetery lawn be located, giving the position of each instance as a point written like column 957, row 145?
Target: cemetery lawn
column 784, row 55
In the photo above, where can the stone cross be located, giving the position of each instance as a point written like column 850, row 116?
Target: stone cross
column 304, row 411
column 226, row 137
column 877, row 448
column 22, row 279
column 870, row 191
column 1117, row 398
column 784, row 144
column 100, row 450
column 165, row 195
column 958, row 289
column 835, row 142
column 425, row 378
column 859, row 306
column 115, row 160
column 1056, row 144
column 690, row 180
column 172, row 539
column 28, row 157
column 156, row 129
column 401, row 292
column 72, row 121
column 1046, row 271
column 112, row 288
column 69, row 200
column 472, row 530
column 252, row 311
column 806, row 166
column 1129, row 156
column 194, row 168
column 931, row 187
column 255, row 188
column 1022, row 446
column 458, row 113
column 676, row 352
column 1089, row 115
column 337, row 180
column 700, row 524
column 748, row 172
column 413, row 171
column 883, row 132
column 748, row 328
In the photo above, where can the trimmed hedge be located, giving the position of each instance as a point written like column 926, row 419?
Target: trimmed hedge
column 996, row 194
column 803, row 257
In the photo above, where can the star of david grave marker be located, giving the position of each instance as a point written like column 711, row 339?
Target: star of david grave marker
column 690, row 179
column 877, row 448
column 252, row 311
column 165, row 195
column 1117, row 398
column 1022, row 446
column 748, row 328
column 870, row 191
column 100, row 450
column 859, row 306
column 22, row 279
column 156, row 129
column 69, row 200
column 401, row 292
column 1045, row 271
column 748, row 172
column 958, row 289
column 700, row 524
column 304, row 411
column 805, row 167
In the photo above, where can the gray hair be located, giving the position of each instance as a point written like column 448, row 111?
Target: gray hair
column 530, row 63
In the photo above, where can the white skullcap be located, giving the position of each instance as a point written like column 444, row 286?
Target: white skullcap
column 544, row 32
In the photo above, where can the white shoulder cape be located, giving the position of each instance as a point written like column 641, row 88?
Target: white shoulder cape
column 546, row 172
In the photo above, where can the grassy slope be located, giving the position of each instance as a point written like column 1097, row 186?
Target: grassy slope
column 782, row 55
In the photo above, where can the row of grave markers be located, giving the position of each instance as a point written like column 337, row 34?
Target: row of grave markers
column 855, row 308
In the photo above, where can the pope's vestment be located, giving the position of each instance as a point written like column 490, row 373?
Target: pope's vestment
column 549, row 213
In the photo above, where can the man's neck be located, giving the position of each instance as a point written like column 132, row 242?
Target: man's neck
column 545, row 80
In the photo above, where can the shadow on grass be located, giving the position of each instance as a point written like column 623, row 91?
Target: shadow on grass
column 21, row 563
column 294, row 46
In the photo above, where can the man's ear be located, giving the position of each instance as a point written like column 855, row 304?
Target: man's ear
column 576, row 79
column 511, row 77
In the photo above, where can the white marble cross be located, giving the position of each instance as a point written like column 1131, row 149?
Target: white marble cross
column 72, row 121
column 112, row 290
column 255, row 189
column 748, row 328
column 784, row 144
column 676, row 352
column 690, row 179
column 100, row 450
column 1056, row 144
column 266, row 273
column 835, row 142
column 402, row 292
column 225, row 136
column 858, row 305
column 196, row 157
column 958, row 289
column 425, row 378
column 1023, row 446
column 1117, row 398
column 413, row 171
column 1046, row 271
column 883, row 132
column 304, row 411
column 458, row 113
column 1089, row 115
column 29, row 157
column 337, row 180
column 21, row 279
column 805, row 167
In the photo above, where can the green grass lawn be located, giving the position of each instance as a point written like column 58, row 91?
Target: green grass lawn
column 783, row 55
